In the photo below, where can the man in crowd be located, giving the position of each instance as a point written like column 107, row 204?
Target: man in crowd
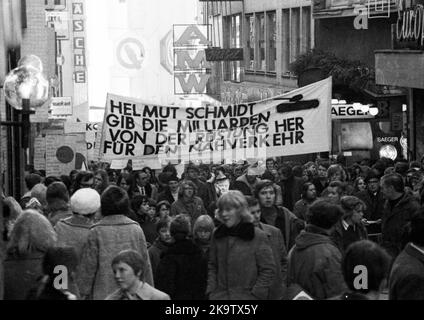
column 399, row 208
column 407, row 275
column 31, row 180
column 143, row 187
column 246, row 183
column 314, row 263
column 374, row 202
column 277, row 290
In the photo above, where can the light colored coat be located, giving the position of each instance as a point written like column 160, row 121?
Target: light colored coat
column 106, row 239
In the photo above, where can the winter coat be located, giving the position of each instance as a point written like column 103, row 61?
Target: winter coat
column 394, row 222
column 106, row 239
column 319, row 186
column 301, row 208
column 147, row 225
column 182, row 272
column 73, row 232
column 374, row 208
column 242, row 185
column 340, row 239
column 289, row 225
column 240, row 267
column 406, row 280
column 144, row 292
column 202, row 192
column 156, row 251
column 166, row 195
column 314, row 263
column 193, row 208
column 279, row 251
column 57, row 215
column 292, row 191
column 21, row 274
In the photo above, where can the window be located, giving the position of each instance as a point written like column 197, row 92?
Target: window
column 261, row 42
column 296, row 35
column 251, row 42
column 233, row 29
column 272, row 36
column 260, row 23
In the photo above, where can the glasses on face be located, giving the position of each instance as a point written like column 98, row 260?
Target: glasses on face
column 188, row 188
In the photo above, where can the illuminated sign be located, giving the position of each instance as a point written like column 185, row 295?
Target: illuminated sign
column 349, row 111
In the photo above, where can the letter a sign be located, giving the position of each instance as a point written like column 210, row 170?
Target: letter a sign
column 190, row 65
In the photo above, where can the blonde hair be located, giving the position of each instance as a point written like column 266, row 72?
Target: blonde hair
column 31, row 232
column 205, row 222
column 234, row 199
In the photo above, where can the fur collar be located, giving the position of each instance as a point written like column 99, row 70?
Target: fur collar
column 244, row 231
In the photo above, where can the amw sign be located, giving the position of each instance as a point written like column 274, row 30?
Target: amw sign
column 191, row 70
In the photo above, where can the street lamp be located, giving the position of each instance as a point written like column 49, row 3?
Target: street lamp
column 25, row 89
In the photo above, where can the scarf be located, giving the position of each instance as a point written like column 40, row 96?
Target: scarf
column 244, row 231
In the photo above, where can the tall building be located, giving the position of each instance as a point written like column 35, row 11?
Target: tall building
column 24, row 21
column 272, row 33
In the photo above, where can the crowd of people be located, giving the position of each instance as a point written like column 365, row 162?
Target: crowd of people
column 221, row 232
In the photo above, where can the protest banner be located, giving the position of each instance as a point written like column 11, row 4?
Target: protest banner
column 297, row 122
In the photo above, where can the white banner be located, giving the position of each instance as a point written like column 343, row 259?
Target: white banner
column 295, row 123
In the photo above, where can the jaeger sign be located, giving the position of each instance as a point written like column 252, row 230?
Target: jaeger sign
column 190, row 65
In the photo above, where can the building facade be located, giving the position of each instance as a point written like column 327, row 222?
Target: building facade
column 353, row 30
column 272, row 34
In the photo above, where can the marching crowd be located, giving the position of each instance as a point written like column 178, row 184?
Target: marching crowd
column 318, row 230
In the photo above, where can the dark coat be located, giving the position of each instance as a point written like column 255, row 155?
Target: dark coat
column 292, row 191
column 318, row 186
column 166, row 195
column 277, row 290
column 21, row 274
column 148, row 226
column 194, row 208
column 407, row 276
column 374, row 208
column 289, row 225
column 314, row 264
column 182, row 272
column 155, row 253
column 394, row 222
column 340, row 239
column 240, row 267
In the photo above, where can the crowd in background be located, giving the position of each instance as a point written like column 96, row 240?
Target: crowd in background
column 223, row 232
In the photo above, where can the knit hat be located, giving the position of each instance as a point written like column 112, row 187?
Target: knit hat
column 85, row 201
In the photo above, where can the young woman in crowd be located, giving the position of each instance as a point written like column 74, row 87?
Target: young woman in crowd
column 237, row 245
column 188, row 203
column 202, row 233
column 182, row 270
column 31, row 237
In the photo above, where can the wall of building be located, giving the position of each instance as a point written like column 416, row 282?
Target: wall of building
column 330, row 35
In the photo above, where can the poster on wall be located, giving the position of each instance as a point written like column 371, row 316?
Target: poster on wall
column 65, row 153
